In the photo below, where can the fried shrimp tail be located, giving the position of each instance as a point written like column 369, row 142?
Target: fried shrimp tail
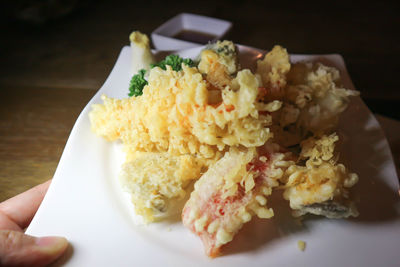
column 231, row 192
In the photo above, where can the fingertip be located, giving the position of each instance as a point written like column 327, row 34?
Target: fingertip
column 48, row 249
column 52, row 244
column 51, row 247
column 18, row 249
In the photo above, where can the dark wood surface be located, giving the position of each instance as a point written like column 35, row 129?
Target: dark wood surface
column 52, row 64
column 34, row 126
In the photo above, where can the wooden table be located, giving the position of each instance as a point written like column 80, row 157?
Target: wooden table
column 49, row 71
column 35, row 124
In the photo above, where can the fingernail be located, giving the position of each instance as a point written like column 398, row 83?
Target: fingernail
column 51, row 244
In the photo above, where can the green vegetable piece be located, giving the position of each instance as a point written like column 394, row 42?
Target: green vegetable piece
column 174, row 61
column 137, row 84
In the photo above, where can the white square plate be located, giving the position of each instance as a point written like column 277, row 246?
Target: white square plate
column 84, row 202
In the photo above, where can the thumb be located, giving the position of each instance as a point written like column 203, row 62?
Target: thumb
column 18, row 249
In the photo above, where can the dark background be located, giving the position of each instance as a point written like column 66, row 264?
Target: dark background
column 74, row 44
column 54, row 55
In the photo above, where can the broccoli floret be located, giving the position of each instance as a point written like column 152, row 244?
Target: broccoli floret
column 174, row 61
column 138, row 81
column 227, row 53
column 137, row 84
column 226, row 50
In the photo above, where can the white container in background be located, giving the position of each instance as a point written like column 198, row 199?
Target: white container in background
column 188, row 30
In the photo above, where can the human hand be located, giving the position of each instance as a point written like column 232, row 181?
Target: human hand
column 18, row 249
